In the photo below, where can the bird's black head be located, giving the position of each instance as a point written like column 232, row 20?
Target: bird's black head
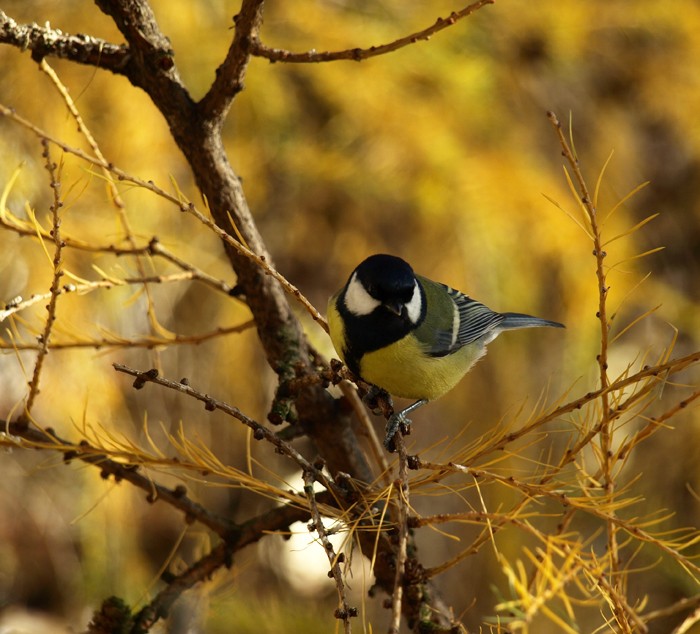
column 387, row 278
column 386, row 286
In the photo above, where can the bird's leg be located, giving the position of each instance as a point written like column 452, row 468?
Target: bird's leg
column 398, row 419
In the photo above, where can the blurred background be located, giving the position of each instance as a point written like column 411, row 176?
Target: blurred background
column 440, row 153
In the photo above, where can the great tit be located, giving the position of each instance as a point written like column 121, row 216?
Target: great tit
column 410, row 336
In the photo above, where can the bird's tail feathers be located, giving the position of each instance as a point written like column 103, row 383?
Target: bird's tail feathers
column 518, row 320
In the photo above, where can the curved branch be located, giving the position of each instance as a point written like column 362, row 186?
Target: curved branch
column 360, row 54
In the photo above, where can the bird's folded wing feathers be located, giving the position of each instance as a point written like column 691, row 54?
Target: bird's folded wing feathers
column 475, row 319
column 454, row 320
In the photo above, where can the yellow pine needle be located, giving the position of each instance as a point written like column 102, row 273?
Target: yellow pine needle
column 638, row 256
column 39, row 233
column 149, row 439
column 635, row 321
column 77, row 278
column 385, row 508
column 5, row 194
column 114, row 280
column 571, row 217
column 599, row 182
column 666, row 355
column 630, row 231
column 170, row 557
column 625, row 198
column 572, row 143
column 577, row 197
column 239, row 235
column 101, row 498
column 179, row 195
column 249, row 451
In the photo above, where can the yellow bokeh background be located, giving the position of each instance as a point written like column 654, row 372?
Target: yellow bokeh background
column 440, row 153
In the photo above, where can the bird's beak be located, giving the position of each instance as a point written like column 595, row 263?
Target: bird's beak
column 394, row 307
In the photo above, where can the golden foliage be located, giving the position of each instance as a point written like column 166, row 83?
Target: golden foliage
column 573, row 511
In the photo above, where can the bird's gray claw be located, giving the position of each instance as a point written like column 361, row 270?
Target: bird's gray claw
column 392, row 427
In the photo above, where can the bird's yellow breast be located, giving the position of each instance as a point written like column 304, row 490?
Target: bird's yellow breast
column 403, row 369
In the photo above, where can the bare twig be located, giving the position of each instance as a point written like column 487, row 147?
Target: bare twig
column 54, row 291
column 688, row 622
column 402, row 488
column 681, row 605
column 358, row 54
column 133, row 342
column 344, row 612
column 260, row 432
column 607, row 456
column 19, row 304
column 116, row 198
column 656, row 373
column 260, row 261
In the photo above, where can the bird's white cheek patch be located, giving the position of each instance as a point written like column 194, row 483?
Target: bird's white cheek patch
column 357, row 300
column 415, row 305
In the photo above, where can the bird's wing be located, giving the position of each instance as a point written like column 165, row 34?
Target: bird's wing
column 452, row 320
column 475, row 319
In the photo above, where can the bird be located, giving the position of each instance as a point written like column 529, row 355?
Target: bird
column 411, row 336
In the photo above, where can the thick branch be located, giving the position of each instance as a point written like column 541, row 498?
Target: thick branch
column 231, row 73
column 151, row 65
column 277, row 519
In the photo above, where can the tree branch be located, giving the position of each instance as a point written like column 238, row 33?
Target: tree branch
column 230, row 75
column 44, row 41
column 359, row 54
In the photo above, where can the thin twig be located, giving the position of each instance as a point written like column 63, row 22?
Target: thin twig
column 262, row 262
column 260, row 432
column 19, row 304
column 681, row 605
column 658, row 373
column 344, row 612
column 131, row 342
column 401, row 551
column 116, row 198
column 54, row 291
column 607, row 456
column 358, row 54
column 655, row 424
column 688, row 622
